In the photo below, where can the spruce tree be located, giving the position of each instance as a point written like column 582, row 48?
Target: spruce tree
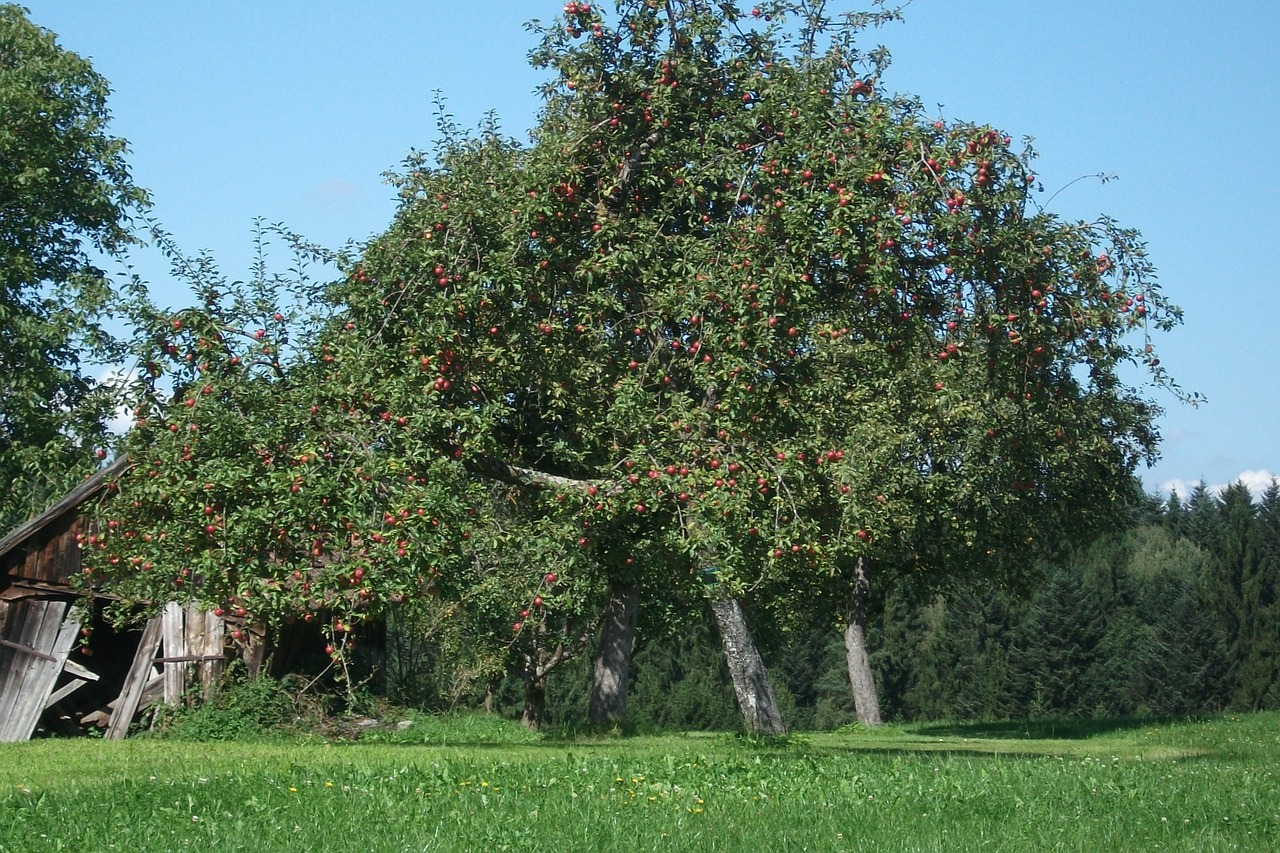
column 1259, row 668
column 1056, row 648
column 1203, row 521
column 1234, row 578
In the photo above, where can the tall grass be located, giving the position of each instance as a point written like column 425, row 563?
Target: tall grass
column 1210, row 785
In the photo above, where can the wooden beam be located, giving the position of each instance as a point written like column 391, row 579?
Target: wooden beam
column 64, row 691
column 135, row 683
column 102, row 716
column 80, row 671
column 27, row 650
column 175, row 646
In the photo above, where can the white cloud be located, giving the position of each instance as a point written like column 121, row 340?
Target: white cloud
column 1257, row 482
column 119, row 378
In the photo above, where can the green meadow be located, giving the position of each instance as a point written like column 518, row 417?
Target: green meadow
column 471, row 783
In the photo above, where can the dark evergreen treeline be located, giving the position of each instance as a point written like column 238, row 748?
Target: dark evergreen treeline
column 1175, row 612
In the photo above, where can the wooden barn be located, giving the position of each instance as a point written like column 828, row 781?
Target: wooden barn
column 48, row 683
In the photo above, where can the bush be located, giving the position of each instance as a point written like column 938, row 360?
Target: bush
column 245, row 710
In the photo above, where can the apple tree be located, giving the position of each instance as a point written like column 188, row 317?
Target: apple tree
column 274, row 480
column 791, row 325
column 734, row 319
column 788, row 323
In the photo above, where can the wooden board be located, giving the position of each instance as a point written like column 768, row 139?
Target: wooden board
column 64, row 691
column 102, row 717
column 174, row 646
column 206, row 637
column 192, row 651
column 135, row 683
column 38, row 637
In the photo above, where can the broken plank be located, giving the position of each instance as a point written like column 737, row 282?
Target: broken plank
column 136, row 681
column 64, row 691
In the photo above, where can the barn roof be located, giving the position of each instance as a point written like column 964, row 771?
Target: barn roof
column 66, row 504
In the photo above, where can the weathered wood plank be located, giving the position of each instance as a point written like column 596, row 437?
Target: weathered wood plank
column 53, row 634
column 64, row 691
column 11, row 663
column 102, row 716
column 175, row 646
column 135, row 683
column 12, row 667
column 209, row 645
column 68, row 631
column 39, row 632
column 80, row 671
column 53, row 556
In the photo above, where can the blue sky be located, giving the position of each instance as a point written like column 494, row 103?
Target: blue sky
column 292, row 111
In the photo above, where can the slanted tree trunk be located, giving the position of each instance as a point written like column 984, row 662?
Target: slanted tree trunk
column 865, row 699
column 613, row 659
column 535, row 702
column 254, row 650
column 750, row 680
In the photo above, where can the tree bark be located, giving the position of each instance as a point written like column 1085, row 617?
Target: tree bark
column 535, row 702
column 751, row 684
column 866, row 701
column 613, row 659
column 254, row 650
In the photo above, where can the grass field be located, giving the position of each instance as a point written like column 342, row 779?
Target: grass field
column 476, row 784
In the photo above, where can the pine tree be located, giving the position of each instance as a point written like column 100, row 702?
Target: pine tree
column 1259, row 669
column 1234, row 578
column 681, row 683
column 962, row 669
column 1056, row 647
column 1203, row 521
column 1175, row 516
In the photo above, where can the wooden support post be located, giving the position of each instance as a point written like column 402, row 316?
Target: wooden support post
column 135, row 683
column 205, row 638
column 175, row 646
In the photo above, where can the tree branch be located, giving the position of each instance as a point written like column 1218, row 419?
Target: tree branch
column 521, row 476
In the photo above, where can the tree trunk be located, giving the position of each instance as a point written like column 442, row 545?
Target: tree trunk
column 613, row 660
column 750, row 680
column 535, row 702
column 254, row 650
column 865, row 699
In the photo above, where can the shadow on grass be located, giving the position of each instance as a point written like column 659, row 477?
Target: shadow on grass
column 1046, row 729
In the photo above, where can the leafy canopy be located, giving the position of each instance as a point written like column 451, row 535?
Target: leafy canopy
column 733, row 308
column 64, row 190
